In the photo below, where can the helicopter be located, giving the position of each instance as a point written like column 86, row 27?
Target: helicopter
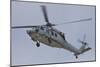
column 52, row 37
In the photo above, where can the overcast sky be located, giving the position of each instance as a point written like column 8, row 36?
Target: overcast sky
column 24, row 50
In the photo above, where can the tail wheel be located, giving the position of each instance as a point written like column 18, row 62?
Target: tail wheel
column 38, row 44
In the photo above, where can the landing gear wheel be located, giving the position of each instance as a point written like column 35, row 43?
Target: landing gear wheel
column 76, row 57
column 38, row 44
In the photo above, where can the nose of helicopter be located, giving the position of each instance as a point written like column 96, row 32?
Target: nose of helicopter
column 29, row 32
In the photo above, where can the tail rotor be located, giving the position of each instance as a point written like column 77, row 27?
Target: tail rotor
column 83, row 48
column 84, row 40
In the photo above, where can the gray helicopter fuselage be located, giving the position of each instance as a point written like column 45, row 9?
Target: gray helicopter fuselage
column 44, row 33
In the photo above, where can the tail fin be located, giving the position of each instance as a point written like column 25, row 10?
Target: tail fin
column 82, row 48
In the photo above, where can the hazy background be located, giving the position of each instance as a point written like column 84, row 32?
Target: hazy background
column 24, row 50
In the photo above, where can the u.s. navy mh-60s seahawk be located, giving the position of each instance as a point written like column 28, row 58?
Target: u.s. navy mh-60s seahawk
column 50, row 36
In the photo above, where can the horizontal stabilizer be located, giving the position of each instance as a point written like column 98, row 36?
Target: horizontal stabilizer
column 87, row 49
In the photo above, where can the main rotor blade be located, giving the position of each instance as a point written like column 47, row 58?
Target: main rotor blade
column 16, row 27
column 76, row 21
column 45, row 13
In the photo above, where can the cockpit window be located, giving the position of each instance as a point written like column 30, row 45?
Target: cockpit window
column 42, row 28
column 55, row 34
column 52, row 33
